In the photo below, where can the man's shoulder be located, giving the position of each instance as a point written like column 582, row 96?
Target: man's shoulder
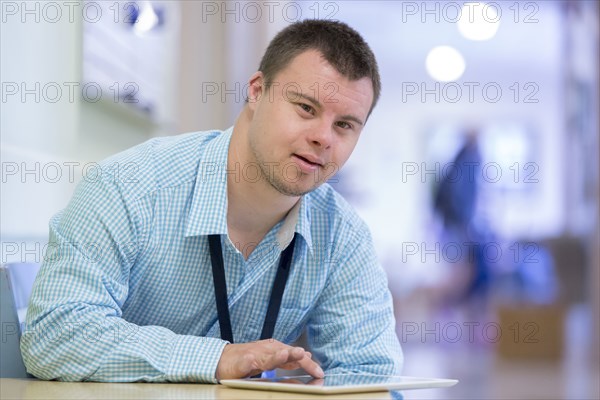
column 327, row 204
column 158, row 162
column 161, row 152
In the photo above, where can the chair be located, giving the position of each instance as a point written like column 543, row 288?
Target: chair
column 16, row 282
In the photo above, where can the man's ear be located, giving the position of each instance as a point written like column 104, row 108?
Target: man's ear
column 256, row 88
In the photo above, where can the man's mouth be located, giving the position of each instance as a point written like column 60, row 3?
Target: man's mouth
column 310, row 159
column 307, row 163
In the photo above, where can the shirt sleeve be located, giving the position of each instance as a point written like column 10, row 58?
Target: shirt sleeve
column 75, row 330
column 352, row 328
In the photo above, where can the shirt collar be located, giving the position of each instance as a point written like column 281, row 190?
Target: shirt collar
column 296, row 220
column 208, row 213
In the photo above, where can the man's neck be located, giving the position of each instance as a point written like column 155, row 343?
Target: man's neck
column 253, row 206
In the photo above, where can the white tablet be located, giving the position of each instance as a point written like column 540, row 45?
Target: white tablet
column 338, row 383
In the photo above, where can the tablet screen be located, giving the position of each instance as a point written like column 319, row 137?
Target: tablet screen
column 341, row 380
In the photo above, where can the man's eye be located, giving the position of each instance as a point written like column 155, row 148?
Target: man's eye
column 344, row 125
column 306, row 108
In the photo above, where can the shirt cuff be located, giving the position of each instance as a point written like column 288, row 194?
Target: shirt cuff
column 195, row 359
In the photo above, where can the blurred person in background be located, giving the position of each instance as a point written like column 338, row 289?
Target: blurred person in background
column 455, row 204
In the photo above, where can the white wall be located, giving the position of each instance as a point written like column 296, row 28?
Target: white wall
column 34, row 130
column 52, row 136
column 221, row 47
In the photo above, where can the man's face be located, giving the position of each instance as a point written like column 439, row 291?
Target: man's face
column 305, row 126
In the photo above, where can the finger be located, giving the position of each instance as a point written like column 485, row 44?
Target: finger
column 295, row 364
column 306, row 364
column 296, row 354
column 269, row 359
column 290, row 365
column 311, row 367
column 293, row 355
column 274, row 360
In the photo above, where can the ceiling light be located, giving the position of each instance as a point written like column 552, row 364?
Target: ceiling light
column 479, row 21
column 445, row 63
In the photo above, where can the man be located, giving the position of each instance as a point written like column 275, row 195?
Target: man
column 127, row 293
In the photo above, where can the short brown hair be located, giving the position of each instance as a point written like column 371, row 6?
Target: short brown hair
column 339, row 44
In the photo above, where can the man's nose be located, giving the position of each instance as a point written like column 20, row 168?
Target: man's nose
column 321, row 135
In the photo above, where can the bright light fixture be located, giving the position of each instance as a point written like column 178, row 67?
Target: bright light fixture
column 146, row 20
column 479, row 21
column 445, row 64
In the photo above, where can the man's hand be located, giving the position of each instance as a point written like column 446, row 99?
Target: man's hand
column 247, row 359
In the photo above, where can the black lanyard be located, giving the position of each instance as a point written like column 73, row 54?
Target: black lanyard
column 218, row 270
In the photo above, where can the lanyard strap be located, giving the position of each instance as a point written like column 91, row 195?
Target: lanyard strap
column 218, row 270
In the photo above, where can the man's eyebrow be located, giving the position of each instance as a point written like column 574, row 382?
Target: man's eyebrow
column 353, row 119
column 291, row 94
column 294, row 95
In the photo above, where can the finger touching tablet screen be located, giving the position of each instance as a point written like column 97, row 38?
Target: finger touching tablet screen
column 339, row 383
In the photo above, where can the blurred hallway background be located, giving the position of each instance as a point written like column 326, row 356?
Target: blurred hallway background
column 477, row 173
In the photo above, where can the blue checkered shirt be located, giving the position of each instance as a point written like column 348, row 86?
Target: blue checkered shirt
column 126, row 292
